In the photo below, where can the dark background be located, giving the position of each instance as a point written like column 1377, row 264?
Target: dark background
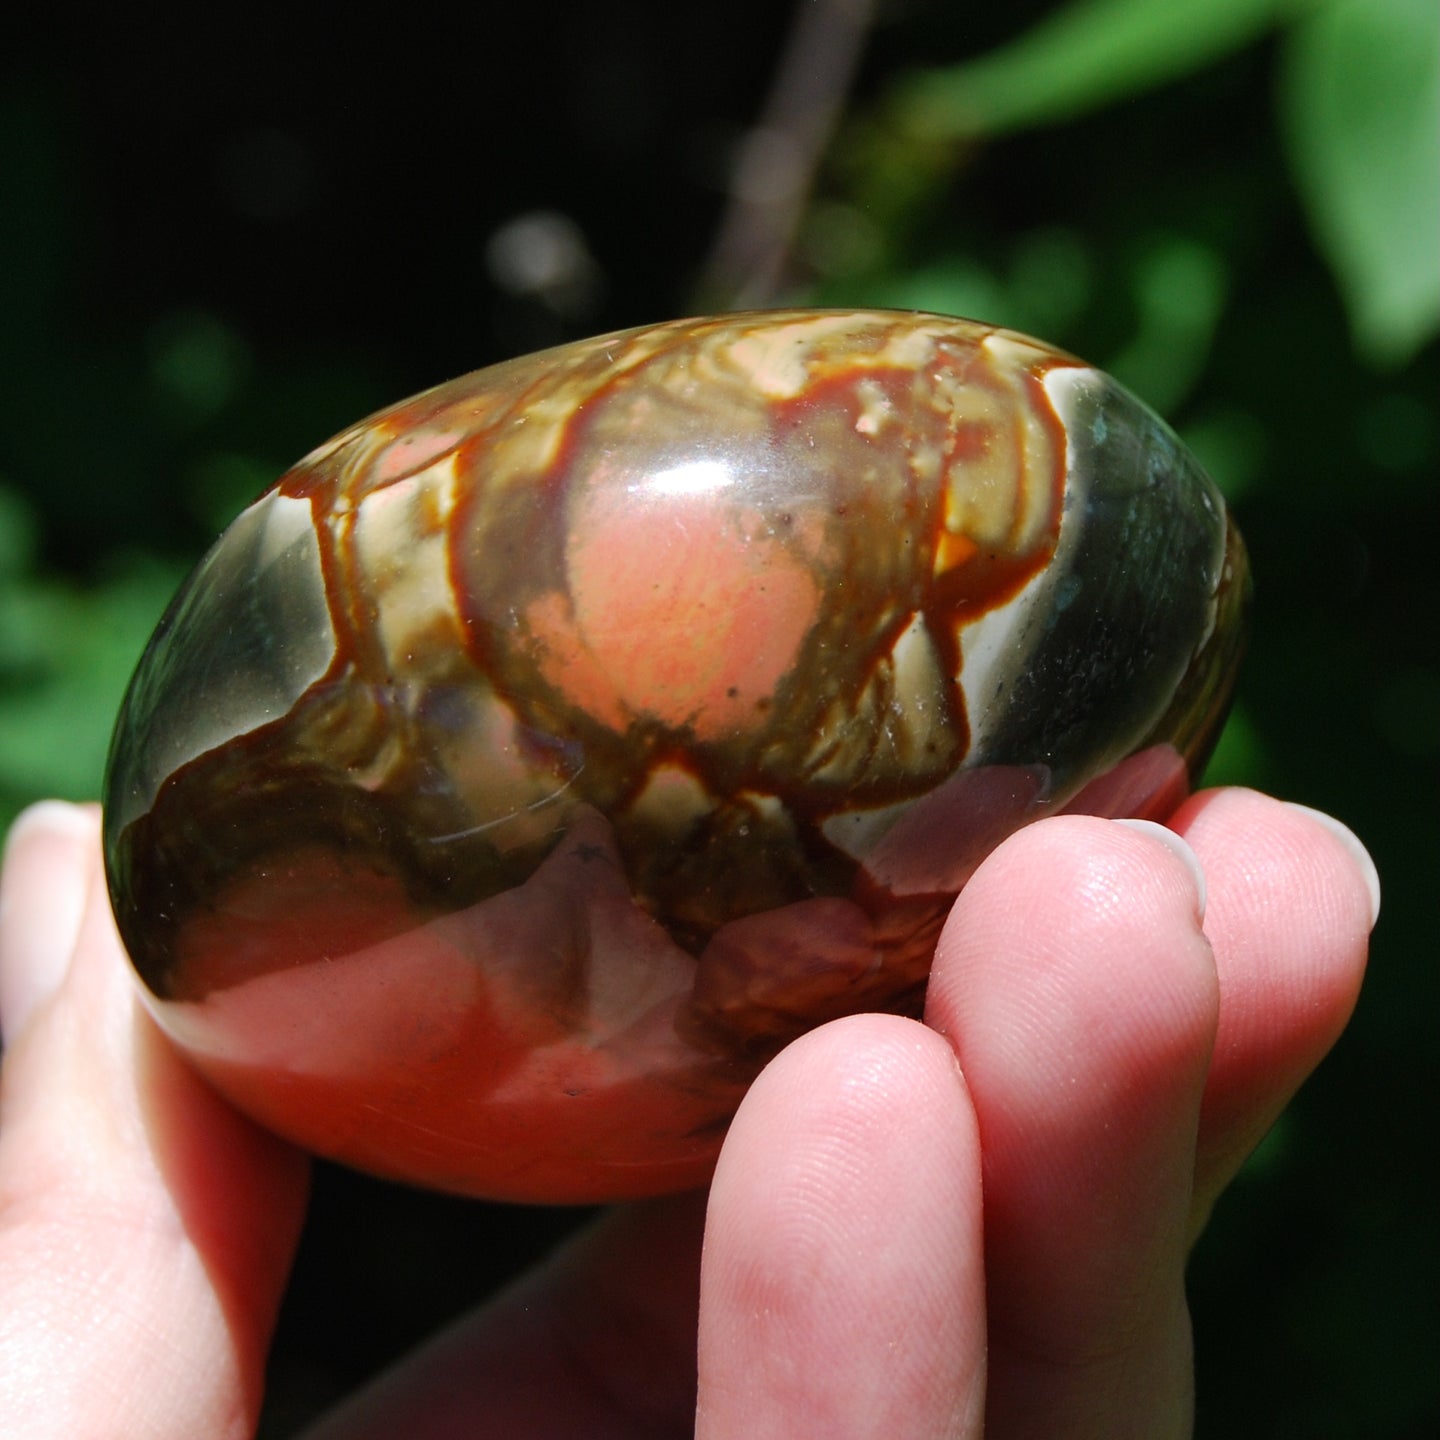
column 227, row 231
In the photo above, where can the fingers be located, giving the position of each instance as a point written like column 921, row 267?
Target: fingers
column 145, row 1227
column 843, row 1290
column 1080, row 995
column 1293, row 897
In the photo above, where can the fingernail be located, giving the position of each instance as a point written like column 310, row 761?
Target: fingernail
column 1351, row 841
column 1179, row 847
column 42, row 899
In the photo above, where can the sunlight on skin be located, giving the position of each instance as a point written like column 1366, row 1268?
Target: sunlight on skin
column 851, row 1279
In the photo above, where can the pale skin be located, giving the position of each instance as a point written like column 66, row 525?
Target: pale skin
column 973, row 1226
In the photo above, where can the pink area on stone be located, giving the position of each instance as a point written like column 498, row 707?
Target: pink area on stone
column 738, row 605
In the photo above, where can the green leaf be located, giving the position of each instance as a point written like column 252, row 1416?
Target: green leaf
column 1086, row 55
column 1361, row 104
column 1241, row 757
column 66, row 655
column 1180, row 289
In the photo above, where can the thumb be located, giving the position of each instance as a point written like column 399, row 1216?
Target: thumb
column 146, row 1228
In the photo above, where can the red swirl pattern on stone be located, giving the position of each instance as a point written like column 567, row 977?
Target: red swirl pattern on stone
column 537, row 757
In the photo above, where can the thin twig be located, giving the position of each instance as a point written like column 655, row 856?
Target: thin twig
column 771, row 182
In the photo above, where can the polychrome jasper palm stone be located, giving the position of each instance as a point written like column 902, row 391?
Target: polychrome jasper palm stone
column 536, row 758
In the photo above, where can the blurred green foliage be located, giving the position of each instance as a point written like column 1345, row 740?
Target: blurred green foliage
column 1359, row 99
column 1233, row 205
column 1362, row 123
column 1360, row 105
column 1084, row 55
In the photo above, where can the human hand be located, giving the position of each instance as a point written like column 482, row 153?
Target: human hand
column 890, row 1234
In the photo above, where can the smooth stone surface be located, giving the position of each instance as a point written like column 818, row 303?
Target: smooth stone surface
column 540, row 755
